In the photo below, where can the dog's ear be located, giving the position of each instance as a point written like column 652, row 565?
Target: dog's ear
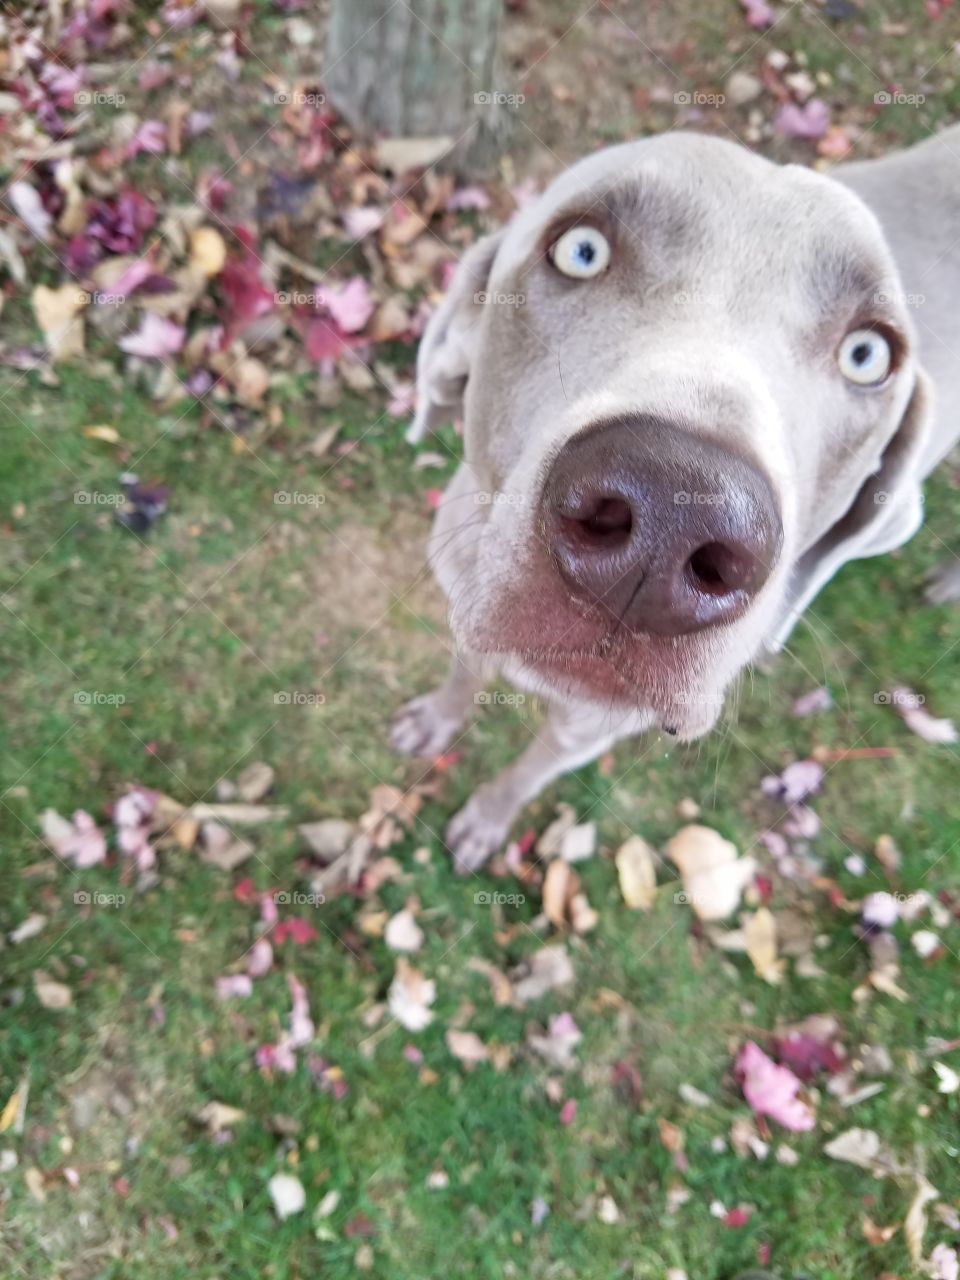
column 887, row 510
column 447, row 345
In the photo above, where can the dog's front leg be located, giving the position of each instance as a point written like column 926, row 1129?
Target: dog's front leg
column 425, row 726
column 571, row 736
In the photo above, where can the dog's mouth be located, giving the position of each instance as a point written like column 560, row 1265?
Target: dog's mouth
column 627, row 676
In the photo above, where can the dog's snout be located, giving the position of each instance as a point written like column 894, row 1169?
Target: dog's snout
column 665, row 531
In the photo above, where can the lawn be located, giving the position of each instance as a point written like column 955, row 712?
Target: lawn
column 245, row 627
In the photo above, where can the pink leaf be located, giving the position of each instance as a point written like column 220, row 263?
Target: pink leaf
column 298, row 929
column 234, row 985
column 301, row 1025
column 260, row 958
column 156, row 338
column 568, row 1112
column 816, row 700
column 362, row 222
column 808, row 121
column 151, row 137
column 468, row 198
column 758, row 13
column 80, row 841
column 772, row 1090
column 350, row 305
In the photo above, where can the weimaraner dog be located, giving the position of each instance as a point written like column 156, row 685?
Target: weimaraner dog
column 693, row 385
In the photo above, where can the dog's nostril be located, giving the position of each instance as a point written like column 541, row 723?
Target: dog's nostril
column 604, row 522
column 715, row 569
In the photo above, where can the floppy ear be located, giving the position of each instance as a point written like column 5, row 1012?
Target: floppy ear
column 887, row 511
column 447, row 345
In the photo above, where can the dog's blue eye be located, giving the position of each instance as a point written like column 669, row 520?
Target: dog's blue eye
column 581, row 253
column 865, row 357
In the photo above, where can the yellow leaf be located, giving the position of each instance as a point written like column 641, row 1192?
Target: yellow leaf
column 637, row 872
column 100, row 431
column 208, row 252
column 12, row 1115
column 760, row 933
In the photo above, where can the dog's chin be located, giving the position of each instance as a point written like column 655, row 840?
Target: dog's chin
column 626, row 678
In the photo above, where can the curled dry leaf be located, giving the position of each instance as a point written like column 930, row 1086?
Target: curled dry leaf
column 713, row 875
column 410, row 996
column 760, row 933
column 637, row 873
column 467, row 1047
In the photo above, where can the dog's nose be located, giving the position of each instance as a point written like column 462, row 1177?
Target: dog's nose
column 667, row 532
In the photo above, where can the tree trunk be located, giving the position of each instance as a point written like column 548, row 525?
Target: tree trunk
column 421, row 68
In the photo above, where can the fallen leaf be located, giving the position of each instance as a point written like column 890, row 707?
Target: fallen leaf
column 27, row 929
column 58, row 313
column 811, row 120
column 545, row 970
column 50, row 993
column 772, row 1090
column 218, row 1116
column 410, row 996
column 760, row 932
column 637, row 873
column 402, row 933
column 558, row 886
column 467, row 1047
column 398, row 155
column 208, row 252
column 14, row 1112
column 713, row 875
column 915, row 1223
column 80, row 841
column 874, row 1234
column 861, row 1147
column 911, row 708
column 101, row 431
column 557, row 1045
column 287, row 1194
column 30, row 209
column 948, row 1080
column 156, row 338
column 579, row 842
column 255, row 781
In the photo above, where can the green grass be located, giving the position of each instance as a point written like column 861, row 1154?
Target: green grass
column 233, row 597
column 99, row 609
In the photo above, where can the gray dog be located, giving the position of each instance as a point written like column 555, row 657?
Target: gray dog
column 693, row 384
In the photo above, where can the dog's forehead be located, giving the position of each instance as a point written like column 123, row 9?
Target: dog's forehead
column 711, row 188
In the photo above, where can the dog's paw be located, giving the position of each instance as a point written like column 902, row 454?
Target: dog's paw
column 423, row 728
column 943, row 583
column 474, row 834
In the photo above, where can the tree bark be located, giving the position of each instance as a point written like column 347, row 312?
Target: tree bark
column 421, row 68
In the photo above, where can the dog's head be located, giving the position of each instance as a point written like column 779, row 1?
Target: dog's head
column 689, row 391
